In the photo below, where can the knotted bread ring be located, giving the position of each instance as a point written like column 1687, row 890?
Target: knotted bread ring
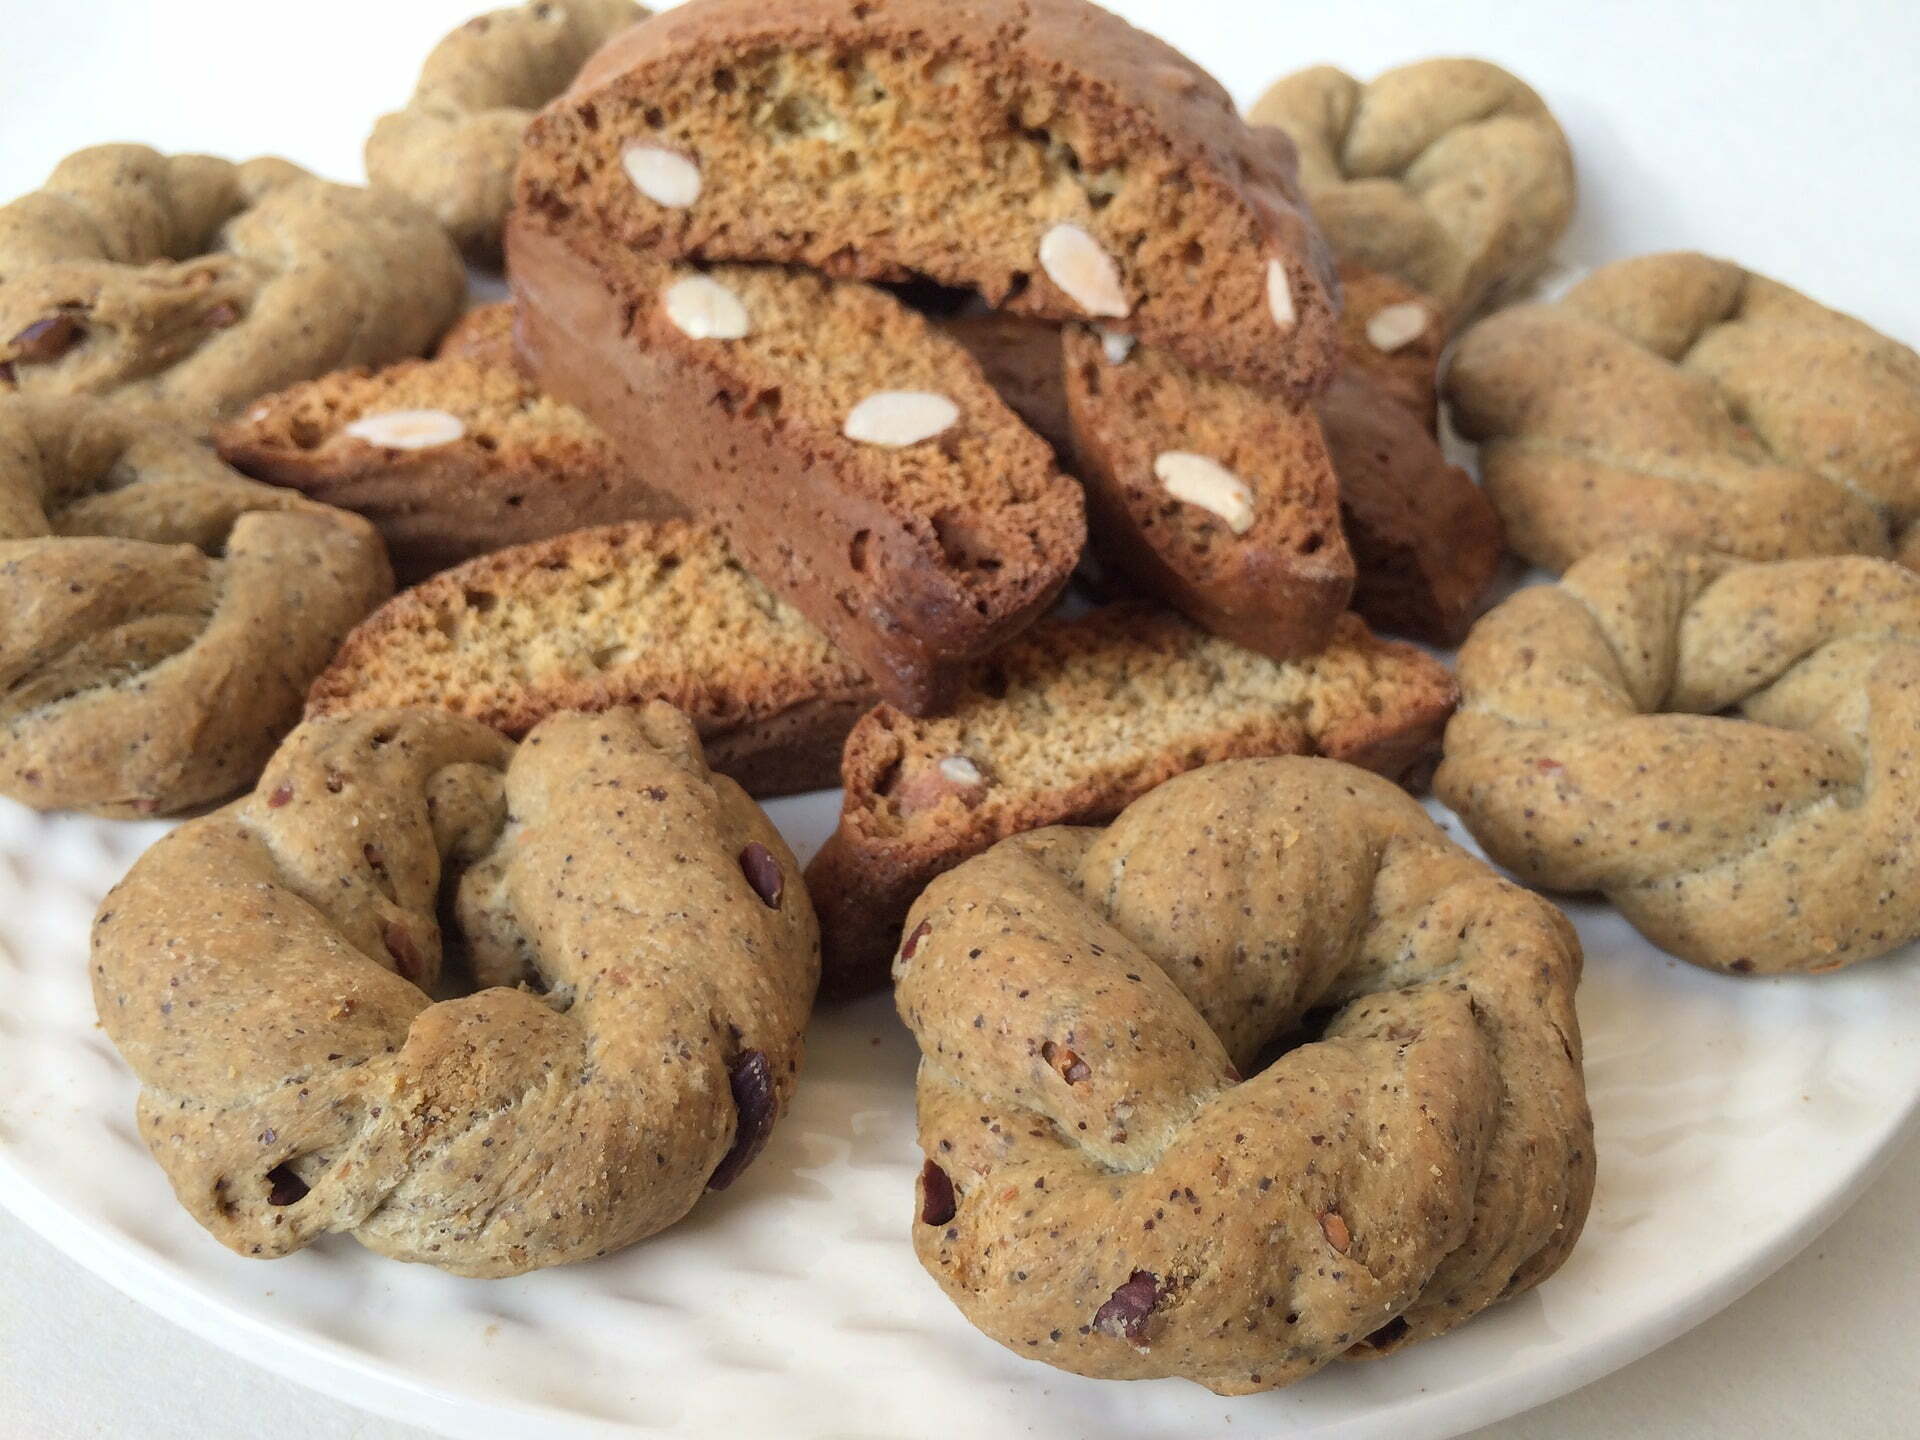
column 164, row 614
column 1451, row 174
column 1684, row 396
column 648, row 954
column 1730, row 752
column 184, row 285
column 452, row 149
column 1104, row 1193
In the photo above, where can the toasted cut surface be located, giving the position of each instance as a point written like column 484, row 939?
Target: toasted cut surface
column 1071, row 723
column 614, row 616
column 518, row 466
column 915, row 557
column 903, row 138
column 1276, row 578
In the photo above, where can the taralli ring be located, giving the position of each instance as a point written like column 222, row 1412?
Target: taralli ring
column 1729, row 751
column 183, row 286
column 1104, row 1192
column 647, row 953
column 164, row 614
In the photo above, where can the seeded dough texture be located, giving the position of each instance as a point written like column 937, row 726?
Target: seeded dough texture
column 525, row 467
column 182, row 286
column 1449, row 173
column 1073, row 722
column 1281, row 585
column 164, row 615
column 914, row 561
column 645, row 954
column 1426, row 542
column 452, row 149
column 1681, row 395
column 944, row 139
column 1726, row 750
column 615, row 616
column 1105, row 1193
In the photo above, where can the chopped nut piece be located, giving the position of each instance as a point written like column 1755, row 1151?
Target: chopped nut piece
column 1075, row 262
column 898, row 418
column 664, row 176
column 408, row 429
column 1398, row 326
column 701, row 308
column 1201, row 481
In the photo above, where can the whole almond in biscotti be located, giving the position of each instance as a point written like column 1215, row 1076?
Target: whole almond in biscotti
column 1450, row 174
column 452, row 149
column 1040, row 152
column 1116, row 1183
column 1684, row 396
column 1070, row 723
column 853, row 454
column 1217, row 498
column 450, row 457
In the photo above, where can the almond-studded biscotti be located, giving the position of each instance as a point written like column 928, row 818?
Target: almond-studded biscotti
column 855, row 457
column 1070, row 724
column 449, row 457
column 1041, row 152
column 1217, row 498
column 614, row 616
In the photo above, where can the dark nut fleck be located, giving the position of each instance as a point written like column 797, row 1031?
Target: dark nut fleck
column 405, row 954
column 280, row 796
column 913, row 940
column 763, row 874
column 1126, row 1311
column 285, row 1187
column 937, row 1200
column 1071, row 1067
column 1334, row 1227
column 222, row 315
column 46, row 340
column 751, row 1079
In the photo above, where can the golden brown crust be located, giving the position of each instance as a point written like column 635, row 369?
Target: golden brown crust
column 1727, row 750
column 183, row 286
column 1104, row 1193
column 164, row 614
column 1074, row 721
column 1450, row 173
column 609, row 617
column 1681, row 395
column 646, row 951
column 944, row 139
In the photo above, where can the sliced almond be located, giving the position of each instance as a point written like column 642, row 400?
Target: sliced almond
column 408, row 429
column 664, row 176
column 1280, row 295
column 898, row 418
column 1198, row 480
column 1398, row 326
column 701, row 308
column 961, row 771
column 1075, row 262
column 1118, row 346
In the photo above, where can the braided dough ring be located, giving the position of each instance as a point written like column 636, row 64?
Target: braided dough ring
column 165, row 615
column 1451, row 174
column 647, row 948
column 1101, row 1190
column 1730, row 752
column 184, row 285
column 1681, row 395
column 453, row 149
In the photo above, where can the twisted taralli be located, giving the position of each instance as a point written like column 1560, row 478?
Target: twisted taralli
column 1102, row 1190
column 646, row 952
column 1729, row 751
column 164, row 614
column 1681, row 395
column 183, row 286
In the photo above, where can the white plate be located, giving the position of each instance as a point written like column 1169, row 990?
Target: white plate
column 1735, row 1118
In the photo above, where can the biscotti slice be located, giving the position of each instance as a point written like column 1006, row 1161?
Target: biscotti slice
column 855, row 457
column 654, row 610
column 1425, row 539
column 1043, row 153
column 1219, row 499
column 449, row 457
column 1021, row 358
column 1070, row 724
column 1392, row 336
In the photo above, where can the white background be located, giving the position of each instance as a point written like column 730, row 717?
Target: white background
column 1784, row 135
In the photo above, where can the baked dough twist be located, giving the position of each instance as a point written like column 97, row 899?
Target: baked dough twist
column 164, row 615
column 1104, row 1193
column 1451, row 174
column 649, row 951
column 452, row 149
column 184, row 285
column 1729, row 751
column 1682, row 395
